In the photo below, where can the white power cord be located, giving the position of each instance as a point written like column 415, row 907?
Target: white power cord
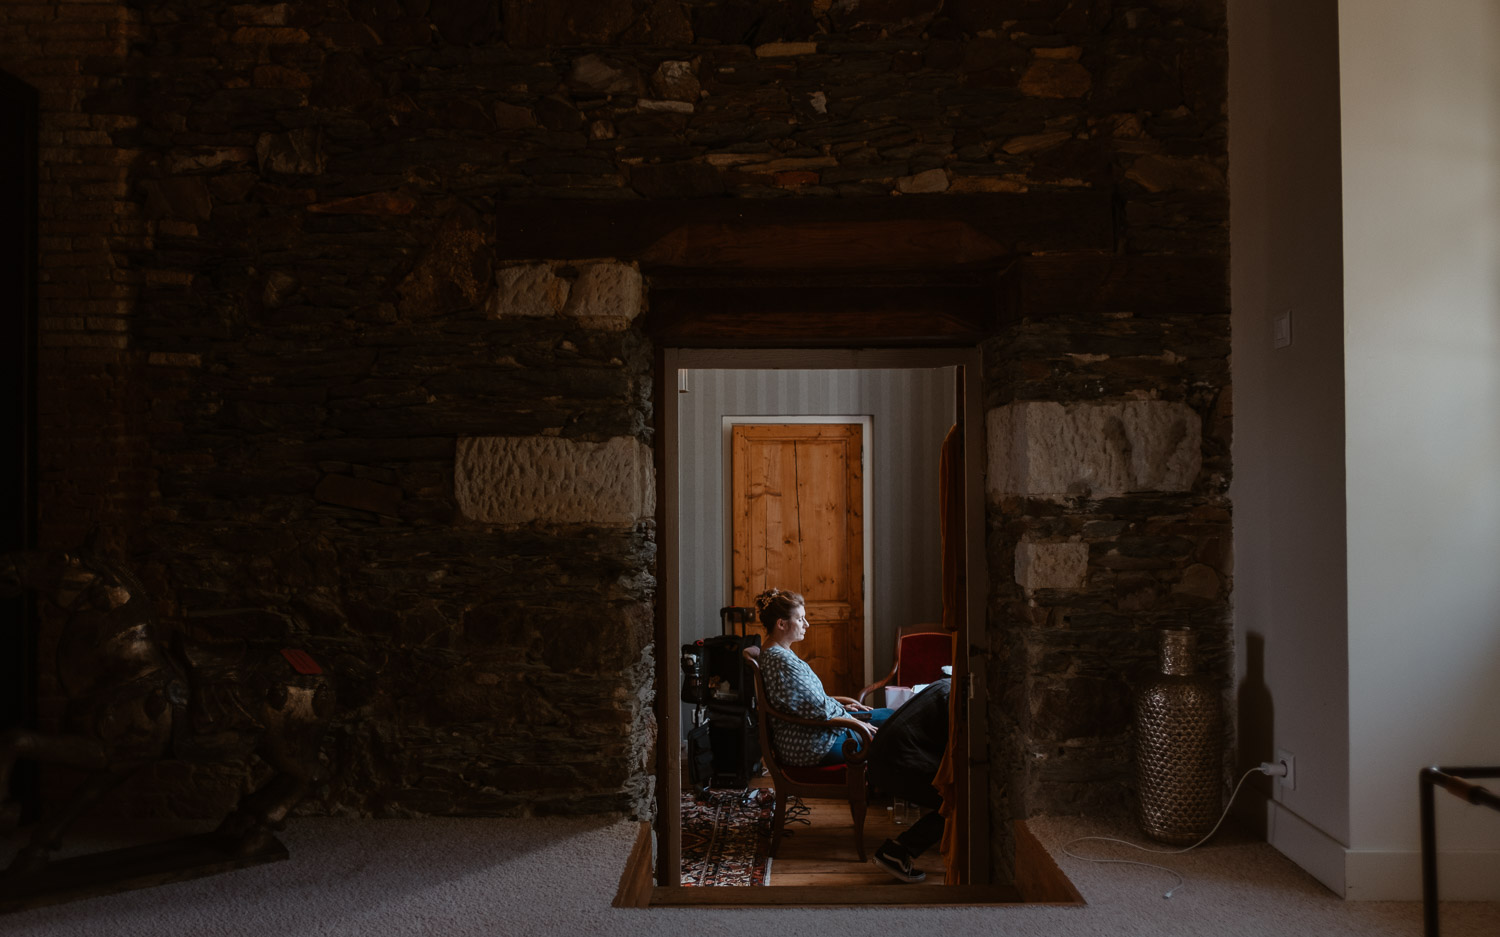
column 1278, row 770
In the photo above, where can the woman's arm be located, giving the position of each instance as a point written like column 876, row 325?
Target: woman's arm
column 853, row 705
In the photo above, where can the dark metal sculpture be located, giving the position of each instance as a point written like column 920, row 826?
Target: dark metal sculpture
column 137, row 696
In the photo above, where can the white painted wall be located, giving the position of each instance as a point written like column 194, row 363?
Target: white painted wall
column 1288, row 489
column 1365, row 195
column 1421, row 188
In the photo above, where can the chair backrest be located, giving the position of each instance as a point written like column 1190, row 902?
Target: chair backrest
column 921, row 657
column 751, row 655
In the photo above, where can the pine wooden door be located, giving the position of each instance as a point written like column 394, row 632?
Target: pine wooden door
column 797, row 514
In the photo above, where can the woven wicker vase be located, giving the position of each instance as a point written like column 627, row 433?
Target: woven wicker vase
column 1178, row 745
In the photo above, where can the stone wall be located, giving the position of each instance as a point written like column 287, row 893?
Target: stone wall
column 93, row 459
column 360, row 417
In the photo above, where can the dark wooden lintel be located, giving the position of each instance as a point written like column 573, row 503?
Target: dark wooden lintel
column 821, row 316
column 682, row 278
column 924, row 230
column 1093, row 283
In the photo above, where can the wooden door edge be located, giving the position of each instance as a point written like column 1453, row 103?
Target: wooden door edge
column 667, row 630
column 973, row 638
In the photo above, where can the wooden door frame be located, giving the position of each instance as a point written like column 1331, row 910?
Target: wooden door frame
column 867, row 590
column 974, row 785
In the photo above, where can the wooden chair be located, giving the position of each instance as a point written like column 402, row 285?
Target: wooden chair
column 922, row 651
column 846, row 781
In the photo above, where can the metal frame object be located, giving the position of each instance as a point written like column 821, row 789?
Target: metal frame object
column 1452, row 781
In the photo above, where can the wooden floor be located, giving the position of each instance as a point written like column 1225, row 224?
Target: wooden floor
column 822, row 852
column 817, row 866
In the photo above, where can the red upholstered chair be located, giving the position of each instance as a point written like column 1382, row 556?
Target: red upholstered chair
column 840, row 782
column 922, row 651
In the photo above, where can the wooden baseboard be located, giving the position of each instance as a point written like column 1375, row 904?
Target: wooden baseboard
column 636, row 883
column 1038, row 878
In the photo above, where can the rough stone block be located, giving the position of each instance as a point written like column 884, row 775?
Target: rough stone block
column 268, row 35
column 527, row 290
column 933, row 180
column 554, row 113
column 464, row 22
column 675, row 107
column 1036, row 141
column 1052, row 450
column 270, row 14
column 987, row 184
column 548, row 480
column 789, row 179
column 200, row 158
column 452, row 275
column 606, row 291
column 531, row 24
column 362, row 494
column 374, row 203
column 346, row 82
column 675, row 81
column 1051, row 79
column 183, row 198
column 1167, row 173
column 774, row 50
column 1051, row 565
column 279, row 76
column 175, row 359
column 591, row 71
column 1199, row 582
column 513, row 116
column 296, row 152
column 891, row 15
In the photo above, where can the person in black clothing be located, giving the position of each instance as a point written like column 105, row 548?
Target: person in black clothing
column 904, row 758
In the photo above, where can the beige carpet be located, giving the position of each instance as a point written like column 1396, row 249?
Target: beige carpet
column 511, row 878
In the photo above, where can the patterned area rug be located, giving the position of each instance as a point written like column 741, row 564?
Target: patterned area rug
column 726, row 837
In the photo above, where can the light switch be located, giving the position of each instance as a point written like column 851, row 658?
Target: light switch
column 1281, row 330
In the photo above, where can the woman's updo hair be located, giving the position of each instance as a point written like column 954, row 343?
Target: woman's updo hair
column 773, row 605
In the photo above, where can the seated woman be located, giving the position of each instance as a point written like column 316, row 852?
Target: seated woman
column 794, row 688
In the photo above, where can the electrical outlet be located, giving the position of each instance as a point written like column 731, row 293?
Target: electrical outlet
column 1289, row 780
column 1281, row 329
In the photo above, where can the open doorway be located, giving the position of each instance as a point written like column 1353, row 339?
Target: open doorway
column 924, row 394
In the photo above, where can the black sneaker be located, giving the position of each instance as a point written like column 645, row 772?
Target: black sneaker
column 895, row 860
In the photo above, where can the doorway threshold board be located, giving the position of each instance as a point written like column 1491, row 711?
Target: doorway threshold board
column 845, row 896
column 1039, row 883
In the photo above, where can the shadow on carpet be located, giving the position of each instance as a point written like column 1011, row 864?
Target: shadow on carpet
column 726, row 837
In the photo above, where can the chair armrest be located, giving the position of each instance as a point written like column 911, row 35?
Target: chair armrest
column 815, row 723
column 855, row 754
column 863, row 729
column 856, row 749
